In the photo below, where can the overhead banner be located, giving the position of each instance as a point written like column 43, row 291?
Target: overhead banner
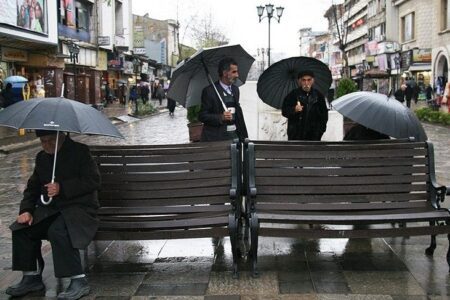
column 26, row 14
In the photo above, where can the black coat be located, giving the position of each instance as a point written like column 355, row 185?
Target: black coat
column 79, row 180
column 399, row 95
column 311, row 122
column 211, row 115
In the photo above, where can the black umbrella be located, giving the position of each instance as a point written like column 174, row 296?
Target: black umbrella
column 200, row 70
column 281, row 78
column 381, row 113
column 57, row 114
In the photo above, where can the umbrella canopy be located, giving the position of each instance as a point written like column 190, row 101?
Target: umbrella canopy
column 15, row 79
column 281, row 78
column 381, row 113
column 59, row 114
column 189, row 77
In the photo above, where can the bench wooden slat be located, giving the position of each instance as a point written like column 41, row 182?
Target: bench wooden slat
column 209, row 165
column 369, row 218
column 198, row 192
column 160, row 224
column 339, row 180
column 339, row 198
column 301, row 153
column 163, row 217
column 335, row 146
column 130, row 159
column 361, row 162
column 149, row 210
column 166, row 185
column 390, row 170
column 196, row 174
column 164, row 201
column 342, row 189
column 339, row 206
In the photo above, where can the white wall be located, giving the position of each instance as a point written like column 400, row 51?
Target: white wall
column 107, row 25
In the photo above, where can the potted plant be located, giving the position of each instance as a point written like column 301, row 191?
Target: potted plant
column 346, row 86
column 195, row 126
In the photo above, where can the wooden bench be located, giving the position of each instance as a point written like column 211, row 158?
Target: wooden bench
column 310, row 189
column 169, row 192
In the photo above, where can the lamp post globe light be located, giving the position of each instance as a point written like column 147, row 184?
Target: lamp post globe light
column 74, row 50
column 269, row 15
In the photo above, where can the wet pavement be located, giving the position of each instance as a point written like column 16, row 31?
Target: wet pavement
column 390, row 268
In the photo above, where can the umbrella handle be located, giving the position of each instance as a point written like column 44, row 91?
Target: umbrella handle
column 53, row 172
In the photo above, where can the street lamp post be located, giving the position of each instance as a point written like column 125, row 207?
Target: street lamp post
column 74, row 50
column 269, row 15
column 136, row 63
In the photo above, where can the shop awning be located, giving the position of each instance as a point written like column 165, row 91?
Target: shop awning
column 420, row 67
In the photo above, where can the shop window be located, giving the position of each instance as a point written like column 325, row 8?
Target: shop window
column 408, row 27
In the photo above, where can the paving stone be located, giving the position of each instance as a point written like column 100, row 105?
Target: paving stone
column 223, row 283
column 193, row 289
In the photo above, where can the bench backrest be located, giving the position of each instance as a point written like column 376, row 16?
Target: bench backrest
column 164, row 191
column 319, row 176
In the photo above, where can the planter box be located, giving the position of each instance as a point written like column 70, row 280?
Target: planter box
column 195, row 131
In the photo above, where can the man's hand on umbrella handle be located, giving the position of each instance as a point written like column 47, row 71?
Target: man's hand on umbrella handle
column 298, row 107
column 52, row 189
column 25, row 217
column 227, row 116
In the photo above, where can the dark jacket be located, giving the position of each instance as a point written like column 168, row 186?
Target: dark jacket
column 311, row 122
column 360, row 132
column 79, row 180
column 211, row 115
column 399, row 95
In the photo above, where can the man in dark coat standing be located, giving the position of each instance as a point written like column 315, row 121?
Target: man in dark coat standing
column 69, row 222
column 306, row 110
column 218, row 123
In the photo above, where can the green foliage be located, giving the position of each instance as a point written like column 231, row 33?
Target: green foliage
column 346, row 86
column 145, row 109
column 432, row 116
column 192, row 113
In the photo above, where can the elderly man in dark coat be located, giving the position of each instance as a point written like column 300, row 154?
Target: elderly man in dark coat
column 218, row 123
column 69, row 222
column 306, row 110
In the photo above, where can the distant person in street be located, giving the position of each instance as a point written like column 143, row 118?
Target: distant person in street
column 399, row 94
column 108, row 94
column 306, row 110
column 360, row 132
column 409, row 92
column 218, row 123
column 171, row 104
column 7, row 95
column 160, row 93
column 69, row 222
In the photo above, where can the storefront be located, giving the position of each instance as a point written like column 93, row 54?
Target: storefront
column 420, row 70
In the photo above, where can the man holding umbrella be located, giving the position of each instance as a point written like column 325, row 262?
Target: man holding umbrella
column 218, row 123
column 306, row 110
column 69, row 222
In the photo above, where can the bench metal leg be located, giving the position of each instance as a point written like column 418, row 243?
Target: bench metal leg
column 254, row 225
column 448, row 251
column 233, row 231
column 430, row 250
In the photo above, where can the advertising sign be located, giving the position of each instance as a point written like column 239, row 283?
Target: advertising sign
column 104, row 40
column 27, row 14
column 421, row 55
column 10, row 54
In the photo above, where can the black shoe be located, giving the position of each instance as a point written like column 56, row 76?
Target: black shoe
column 28, row 284
column 78, row 288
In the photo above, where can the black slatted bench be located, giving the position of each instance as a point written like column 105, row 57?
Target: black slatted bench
column 316, row 189
column 169, row 192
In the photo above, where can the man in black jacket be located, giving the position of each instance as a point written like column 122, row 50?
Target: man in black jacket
column 306, row 110
column 69, row 222
column 218, row 123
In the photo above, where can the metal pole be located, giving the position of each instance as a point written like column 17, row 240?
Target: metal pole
column 268, row 50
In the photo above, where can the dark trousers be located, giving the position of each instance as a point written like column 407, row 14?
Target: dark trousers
column 27, row 245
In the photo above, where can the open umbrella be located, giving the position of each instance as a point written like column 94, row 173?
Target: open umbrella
column 281, row 78
column 58, row 114
column 15, row 79
column 381, row 113
column 192, row 75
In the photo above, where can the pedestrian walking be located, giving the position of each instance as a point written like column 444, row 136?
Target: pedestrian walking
column 306, row 110
column 160, row 93
column 69, row 222
column 171, row 104
column 220, row 124
column 399, row 94
column 409, row 92
column 7, row 95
